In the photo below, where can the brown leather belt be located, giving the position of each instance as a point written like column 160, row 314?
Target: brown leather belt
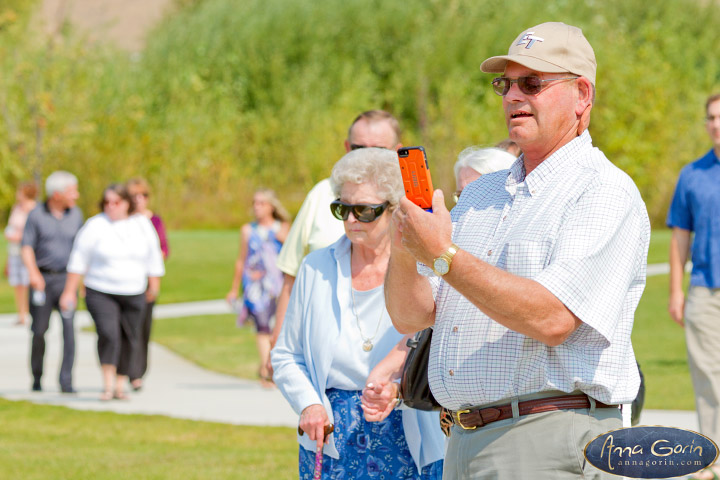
column 474, row 418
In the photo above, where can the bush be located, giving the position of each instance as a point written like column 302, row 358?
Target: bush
column 229, row 96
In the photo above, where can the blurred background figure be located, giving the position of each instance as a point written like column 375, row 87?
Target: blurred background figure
column 17, row 274
column 139, row 191
column 46, row 244
column 119, row 255
column 510, row 147
column 337, row 329
column 473, row 162
column 256, row 271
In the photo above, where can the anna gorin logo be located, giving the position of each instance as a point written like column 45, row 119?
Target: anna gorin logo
column 651, row 452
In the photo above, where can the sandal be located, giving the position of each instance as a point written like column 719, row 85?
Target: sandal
column 120, row 396
column 106, row 396
column 266, row 380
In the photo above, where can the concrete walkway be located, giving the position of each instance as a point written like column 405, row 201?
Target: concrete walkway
column 174, row 387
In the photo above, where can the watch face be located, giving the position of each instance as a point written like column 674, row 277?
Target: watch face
column 441, row 266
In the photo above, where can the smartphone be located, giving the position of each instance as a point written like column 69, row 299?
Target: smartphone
column 416, row 176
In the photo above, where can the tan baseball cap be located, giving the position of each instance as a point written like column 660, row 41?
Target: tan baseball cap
column 551, row 47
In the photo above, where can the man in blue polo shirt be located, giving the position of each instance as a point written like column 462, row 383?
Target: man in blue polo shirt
column 696, row 208
column 46, row 244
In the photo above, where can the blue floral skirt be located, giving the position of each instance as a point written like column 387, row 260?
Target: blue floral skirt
column 368, row 450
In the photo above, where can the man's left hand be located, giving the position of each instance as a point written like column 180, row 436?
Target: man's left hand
column 425, row 235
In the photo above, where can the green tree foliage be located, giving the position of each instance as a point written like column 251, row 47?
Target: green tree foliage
column 229, row 96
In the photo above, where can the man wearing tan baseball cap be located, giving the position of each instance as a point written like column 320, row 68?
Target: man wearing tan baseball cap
column 538, row 271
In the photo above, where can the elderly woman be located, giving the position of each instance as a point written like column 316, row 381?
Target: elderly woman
column 118, row 253
column 337, row 329
column 473, row 162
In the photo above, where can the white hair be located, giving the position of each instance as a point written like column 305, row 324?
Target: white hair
column 58, row 182
column 484, row 160
column 378, row 166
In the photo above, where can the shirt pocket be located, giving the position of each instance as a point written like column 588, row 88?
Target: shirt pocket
column 526, row 258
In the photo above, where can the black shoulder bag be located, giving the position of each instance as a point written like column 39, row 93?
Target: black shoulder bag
column 414, row 386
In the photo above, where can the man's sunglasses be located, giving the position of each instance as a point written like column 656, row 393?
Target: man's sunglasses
column 530, row 85
column 363, row 212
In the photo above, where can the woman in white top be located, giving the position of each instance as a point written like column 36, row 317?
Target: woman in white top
column 18, row 276
column 118, row 254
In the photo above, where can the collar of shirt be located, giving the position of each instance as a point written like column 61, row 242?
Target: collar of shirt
column 539, row 177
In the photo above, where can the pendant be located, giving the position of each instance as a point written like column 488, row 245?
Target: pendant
column 367, row 345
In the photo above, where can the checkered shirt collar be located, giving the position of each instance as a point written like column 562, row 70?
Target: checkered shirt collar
column 549, row 167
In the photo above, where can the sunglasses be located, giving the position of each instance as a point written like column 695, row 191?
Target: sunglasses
column 356, row 146
column 363, row 212
column 530, row 85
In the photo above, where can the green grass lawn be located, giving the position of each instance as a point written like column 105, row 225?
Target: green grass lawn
column 659, row 246
column 659, row 345
column 40, row 442
column 211, row 341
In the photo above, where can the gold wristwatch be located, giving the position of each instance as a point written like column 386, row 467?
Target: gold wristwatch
column 441, row 265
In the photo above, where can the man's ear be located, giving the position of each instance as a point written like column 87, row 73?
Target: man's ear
column 347, row 146
column 584, row 103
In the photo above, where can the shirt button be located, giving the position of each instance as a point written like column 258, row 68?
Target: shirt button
column 451, row 372
column 489, row 252
column 532, row 191
column 505, row 217
column 455, row 329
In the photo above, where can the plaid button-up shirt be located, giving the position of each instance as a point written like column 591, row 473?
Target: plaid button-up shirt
column 578, row 226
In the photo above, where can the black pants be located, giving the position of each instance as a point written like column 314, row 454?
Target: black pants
column 54, row 285
column 118, row 320
column 139, row 363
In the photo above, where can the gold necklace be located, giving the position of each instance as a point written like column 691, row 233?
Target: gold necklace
column 367, row 342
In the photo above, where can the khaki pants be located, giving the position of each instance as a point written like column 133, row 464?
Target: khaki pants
column 538, row 447
column 702, row 335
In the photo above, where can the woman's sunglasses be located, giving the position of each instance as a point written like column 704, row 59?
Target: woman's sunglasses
column 363, row 212
column 530, row 85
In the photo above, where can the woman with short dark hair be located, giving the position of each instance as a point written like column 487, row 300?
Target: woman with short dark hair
column 118, row 254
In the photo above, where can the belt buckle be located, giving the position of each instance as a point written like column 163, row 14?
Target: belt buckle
column 459, row 422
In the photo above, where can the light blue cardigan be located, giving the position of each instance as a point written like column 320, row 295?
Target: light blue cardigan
column 302, row 356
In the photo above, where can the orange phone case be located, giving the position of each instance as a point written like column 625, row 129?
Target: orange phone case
column 416, row 176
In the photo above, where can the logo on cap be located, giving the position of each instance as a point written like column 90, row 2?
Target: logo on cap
column 529, row 39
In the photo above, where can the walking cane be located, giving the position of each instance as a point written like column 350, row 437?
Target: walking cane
column 319, row 453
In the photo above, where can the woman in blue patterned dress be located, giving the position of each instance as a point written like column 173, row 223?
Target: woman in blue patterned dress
column 337, row 329
column 255, row 266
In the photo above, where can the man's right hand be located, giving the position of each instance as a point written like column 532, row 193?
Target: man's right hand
column 676, row 307
column 37, row 282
